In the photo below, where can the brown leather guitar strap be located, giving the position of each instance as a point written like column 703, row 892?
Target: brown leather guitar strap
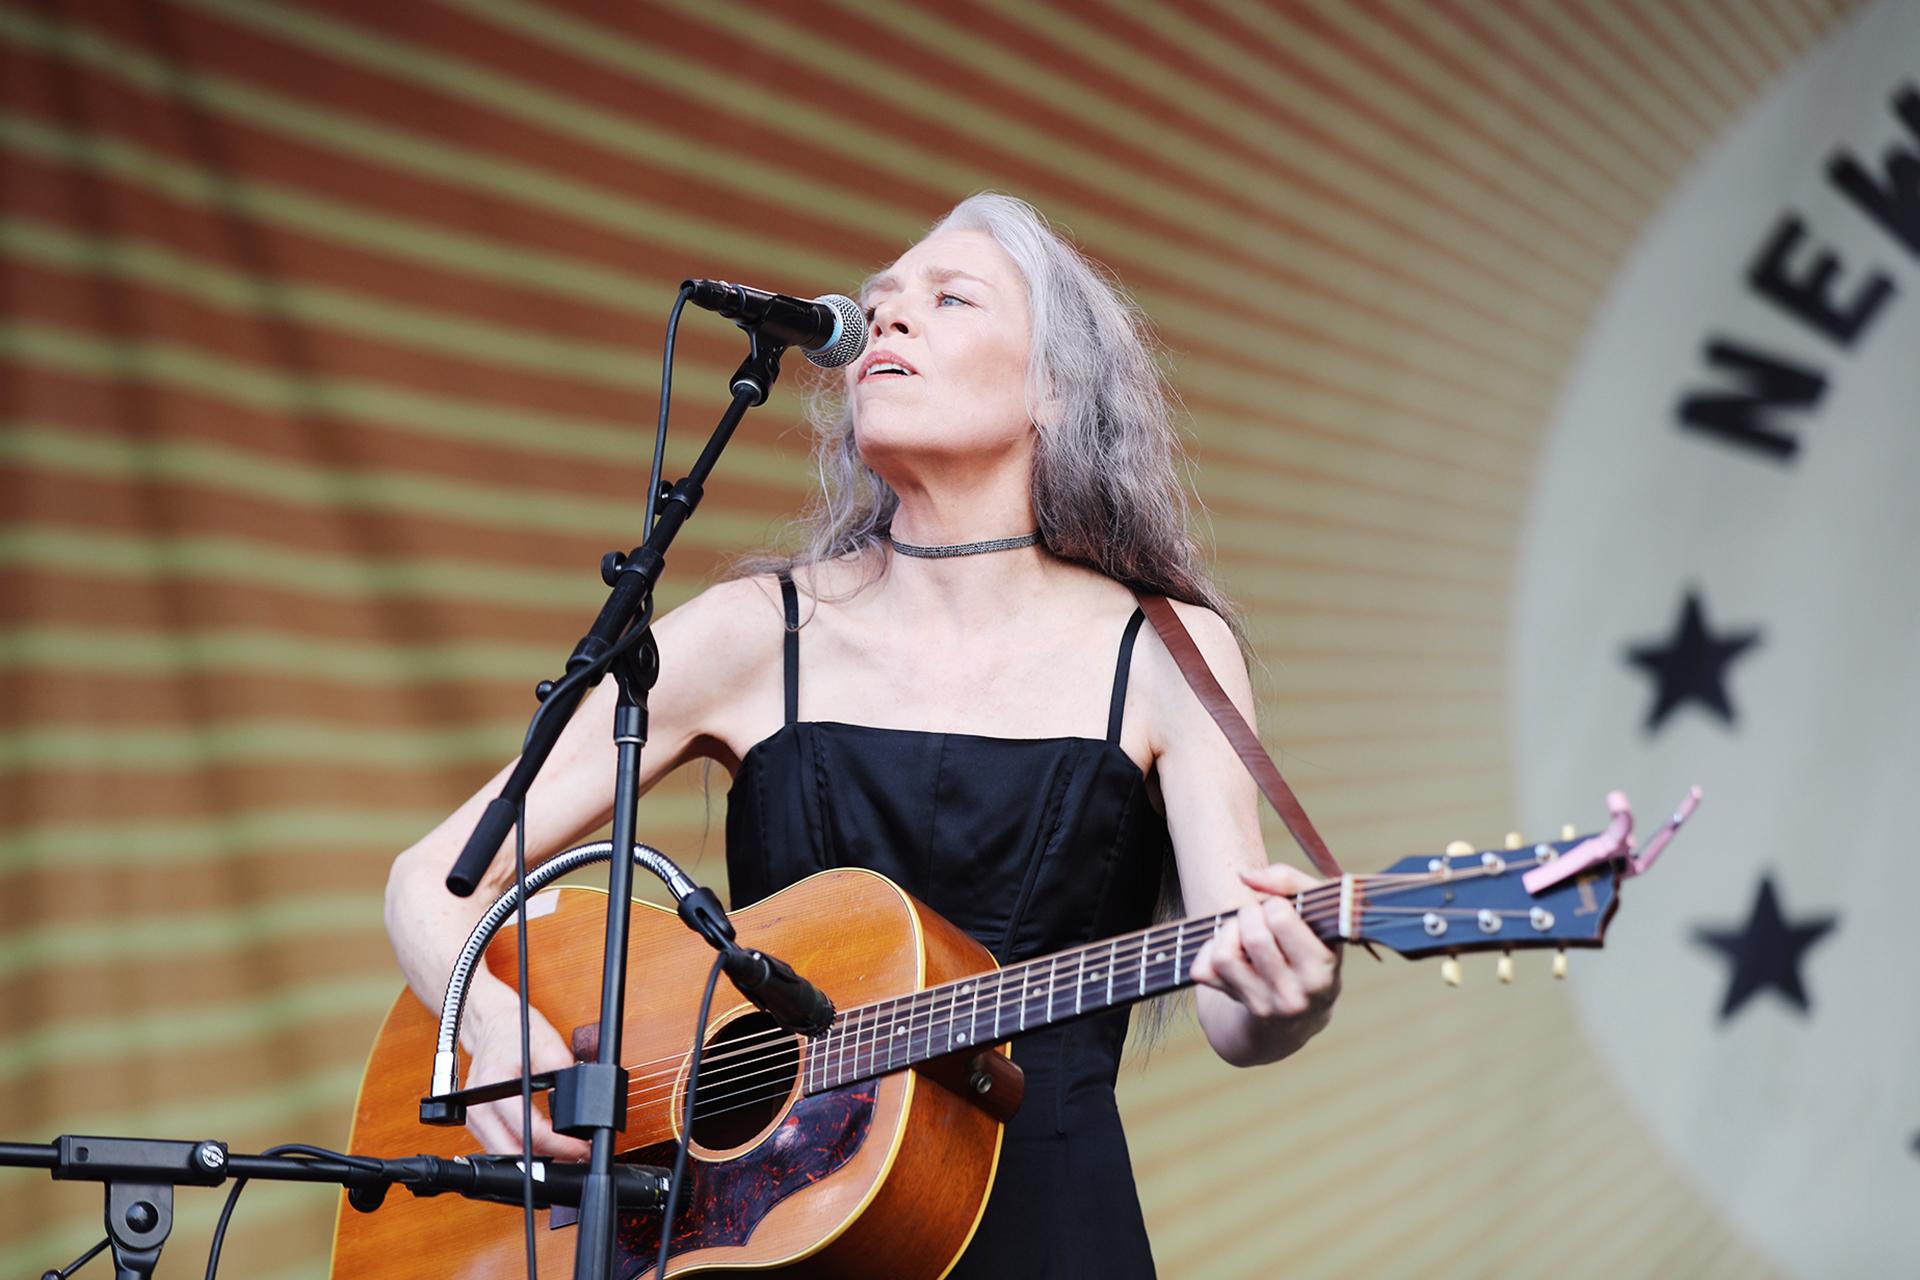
column 1246, row 743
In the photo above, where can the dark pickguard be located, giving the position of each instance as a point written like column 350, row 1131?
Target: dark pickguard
column 721, row 1204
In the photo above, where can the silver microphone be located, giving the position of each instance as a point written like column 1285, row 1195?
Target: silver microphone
column 831, row 329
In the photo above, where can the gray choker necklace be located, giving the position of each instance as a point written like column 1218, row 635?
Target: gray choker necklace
column 964, row 548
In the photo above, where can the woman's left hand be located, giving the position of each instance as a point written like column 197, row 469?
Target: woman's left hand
column 1270, row 961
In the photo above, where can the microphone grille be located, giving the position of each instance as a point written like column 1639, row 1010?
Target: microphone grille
column 849, row 340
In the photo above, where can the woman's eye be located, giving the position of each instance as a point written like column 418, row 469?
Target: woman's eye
column 944, row 298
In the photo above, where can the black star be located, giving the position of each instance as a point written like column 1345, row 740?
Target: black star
column 1765, row 952
column 1692, row 665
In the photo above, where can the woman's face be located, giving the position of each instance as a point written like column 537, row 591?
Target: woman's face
column 945, row 369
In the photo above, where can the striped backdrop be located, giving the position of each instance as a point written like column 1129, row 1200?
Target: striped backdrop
column 320, row 320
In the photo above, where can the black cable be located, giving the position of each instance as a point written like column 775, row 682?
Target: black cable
column 626, row 642
column 526, row 1038
column 566, row 684
column 240, row 1184
column 220, row 1228
column 79, row 1262
column 686, row 1120
column 666, row 394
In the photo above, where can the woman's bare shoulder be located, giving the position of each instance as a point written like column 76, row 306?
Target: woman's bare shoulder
column 735, row 626
column 1212, row 634
column 730, row 612
column 1176, row 709
column 730, row 631
column 720, row 667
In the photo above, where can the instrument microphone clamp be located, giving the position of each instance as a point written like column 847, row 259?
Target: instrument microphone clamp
column 500, row 1180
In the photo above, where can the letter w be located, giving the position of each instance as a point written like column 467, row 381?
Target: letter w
column 1895, row 206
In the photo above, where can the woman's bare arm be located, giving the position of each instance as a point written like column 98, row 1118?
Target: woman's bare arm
column 716, row 652
column 1267, row 982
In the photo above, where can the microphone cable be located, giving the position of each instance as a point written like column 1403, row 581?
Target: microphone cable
column 666, row 394
column 526, row 1038
column 686, row 1120
column 597, row 668
column 594, row 671
column 240, row 1184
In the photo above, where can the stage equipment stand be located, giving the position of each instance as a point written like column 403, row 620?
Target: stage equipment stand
column 140, row 1174
column 589, row 1100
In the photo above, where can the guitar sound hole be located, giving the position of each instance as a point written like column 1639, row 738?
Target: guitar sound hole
column 747, row 1072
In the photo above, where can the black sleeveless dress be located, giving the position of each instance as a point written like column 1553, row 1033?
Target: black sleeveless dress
column 1030, row 845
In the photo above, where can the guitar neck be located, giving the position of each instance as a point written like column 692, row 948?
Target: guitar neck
column 987, row 1009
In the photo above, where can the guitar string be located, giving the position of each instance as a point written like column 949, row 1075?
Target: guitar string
column 784, row 1049
column 785, row 1058
column 746, row 1044
column 1315, row 899
column 1130, row 947
column 759, row 1094
column 861, row 1019
column 864, row 1020
column 1110, row 956
column 1327, row 894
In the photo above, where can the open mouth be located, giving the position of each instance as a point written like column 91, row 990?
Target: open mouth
column 885, row 364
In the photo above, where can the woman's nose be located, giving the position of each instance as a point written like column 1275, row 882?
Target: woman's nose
column 889, row 316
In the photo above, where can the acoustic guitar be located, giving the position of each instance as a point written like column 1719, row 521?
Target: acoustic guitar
column 870, row 1151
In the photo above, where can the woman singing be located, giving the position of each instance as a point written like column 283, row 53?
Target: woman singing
column 950, row 686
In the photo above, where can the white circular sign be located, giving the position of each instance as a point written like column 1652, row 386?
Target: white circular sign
column 1716, row 595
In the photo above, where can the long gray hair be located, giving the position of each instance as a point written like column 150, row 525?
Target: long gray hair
column 1107, row 485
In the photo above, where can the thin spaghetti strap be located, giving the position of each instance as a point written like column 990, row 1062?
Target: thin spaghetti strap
column 1117, row 709
column 790, row 600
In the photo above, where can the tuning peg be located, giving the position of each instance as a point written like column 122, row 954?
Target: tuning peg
column 1566, row 831
column 1504, row 967
column 1450, row 970
column 1459, row 849
column 1560, row 963
column 1514, row 840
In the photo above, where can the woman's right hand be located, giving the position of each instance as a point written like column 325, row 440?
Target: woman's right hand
column 496, row 1056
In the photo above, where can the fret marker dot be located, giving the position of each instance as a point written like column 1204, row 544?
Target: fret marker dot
column 959, row 1037
column 1158, row 958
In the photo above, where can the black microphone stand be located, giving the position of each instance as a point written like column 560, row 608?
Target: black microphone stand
column 589, row 1100
column 139, row 1175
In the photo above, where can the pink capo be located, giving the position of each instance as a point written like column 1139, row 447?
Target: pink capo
column 1615, row 842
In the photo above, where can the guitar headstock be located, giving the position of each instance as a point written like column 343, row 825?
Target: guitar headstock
column 1478, row 900
column 1555, row 893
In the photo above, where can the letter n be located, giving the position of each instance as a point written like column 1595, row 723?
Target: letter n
column 1767, row 384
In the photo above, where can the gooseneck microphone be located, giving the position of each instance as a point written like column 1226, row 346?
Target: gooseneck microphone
column 768, row 981
column 832, row 329
column 782, row 994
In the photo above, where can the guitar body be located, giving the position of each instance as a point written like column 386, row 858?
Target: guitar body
column 869, row 1152
column 884, row 1177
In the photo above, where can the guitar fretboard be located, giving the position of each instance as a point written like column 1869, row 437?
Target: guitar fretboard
column 875, row 1039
